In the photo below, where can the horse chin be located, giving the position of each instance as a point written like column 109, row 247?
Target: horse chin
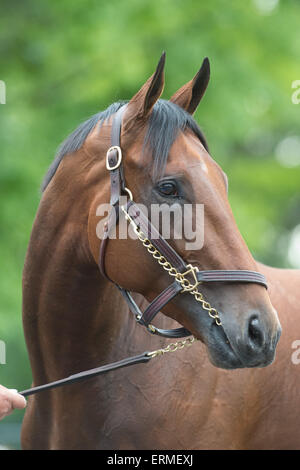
column 224, row 358
column 220, row 351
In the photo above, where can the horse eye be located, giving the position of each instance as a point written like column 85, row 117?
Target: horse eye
column 168, row 188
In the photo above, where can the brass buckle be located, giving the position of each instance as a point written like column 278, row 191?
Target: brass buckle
column 187, row 285
column 114, row 167
column 151, row 329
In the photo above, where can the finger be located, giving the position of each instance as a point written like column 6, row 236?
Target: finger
column 5, row 407
column 17, row 400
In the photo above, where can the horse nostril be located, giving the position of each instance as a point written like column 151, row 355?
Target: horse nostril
column 255, row 333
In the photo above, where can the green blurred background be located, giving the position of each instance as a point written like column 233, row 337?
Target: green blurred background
column 63, row 61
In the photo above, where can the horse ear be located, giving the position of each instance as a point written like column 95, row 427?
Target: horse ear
column 142, row 103
column 189, row 96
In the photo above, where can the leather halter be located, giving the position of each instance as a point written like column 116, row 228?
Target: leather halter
column 114, row 165
column 118, row 188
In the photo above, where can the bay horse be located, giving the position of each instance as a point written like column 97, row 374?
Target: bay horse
column 226, row 391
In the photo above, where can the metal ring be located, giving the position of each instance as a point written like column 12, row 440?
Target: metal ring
column 129, row 193
column 114, row 167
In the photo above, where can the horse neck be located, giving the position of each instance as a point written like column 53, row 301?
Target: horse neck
column 72, row 315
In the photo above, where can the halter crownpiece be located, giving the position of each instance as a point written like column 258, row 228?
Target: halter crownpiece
column 186, row 277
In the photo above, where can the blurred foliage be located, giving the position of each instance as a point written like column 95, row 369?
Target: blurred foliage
column 63, row 61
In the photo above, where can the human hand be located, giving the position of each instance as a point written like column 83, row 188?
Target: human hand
column 10, row 399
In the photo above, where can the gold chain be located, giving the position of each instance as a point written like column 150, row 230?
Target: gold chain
column 172, row 347
column 186, row 284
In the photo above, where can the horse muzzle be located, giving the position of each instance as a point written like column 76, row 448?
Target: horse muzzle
column 253, row 346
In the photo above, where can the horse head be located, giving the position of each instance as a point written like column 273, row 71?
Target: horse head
column 166, row 161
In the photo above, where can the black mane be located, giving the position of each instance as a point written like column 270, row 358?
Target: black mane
column 165, row 121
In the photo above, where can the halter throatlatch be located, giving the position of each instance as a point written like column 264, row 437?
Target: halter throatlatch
column 186, row 278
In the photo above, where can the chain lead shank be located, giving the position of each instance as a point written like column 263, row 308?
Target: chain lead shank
column 172, row 347
column 186, row 284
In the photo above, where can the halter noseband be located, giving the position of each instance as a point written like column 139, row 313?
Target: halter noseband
column 186, row 277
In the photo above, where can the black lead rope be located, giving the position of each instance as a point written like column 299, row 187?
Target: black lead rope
column 129, row 361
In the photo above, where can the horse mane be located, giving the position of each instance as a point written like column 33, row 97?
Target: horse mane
column 165, row 121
